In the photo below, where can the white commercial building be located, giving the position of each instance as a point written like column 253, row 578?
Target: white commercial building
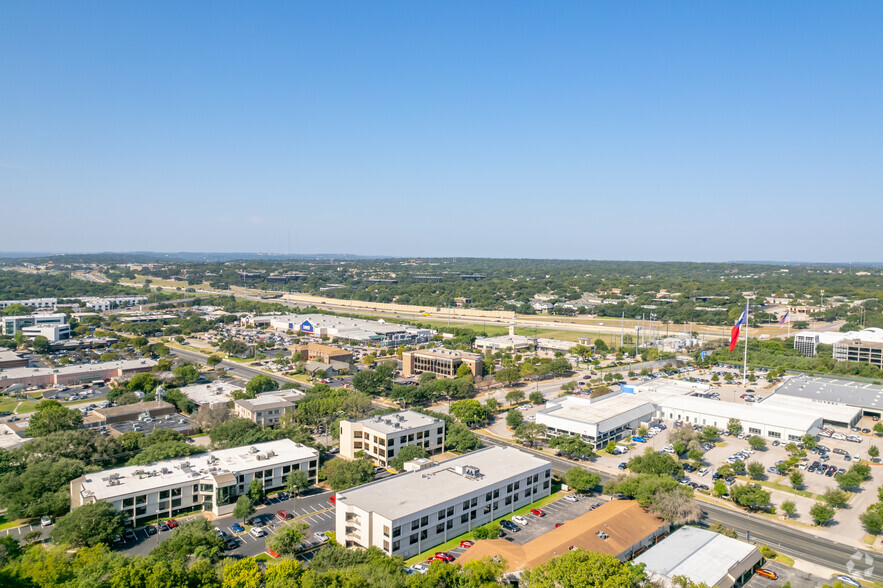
column 348, row 329
column 211, row 393
column 415, row 511
column 382, row 437
column 13, row 324
column 266, row 410
column 705, row 557
column 71, row 375
column 44, row 303
column 51, row 332
column 807, row 342
column 597, row 420
column 207, row 481
column 110, row 302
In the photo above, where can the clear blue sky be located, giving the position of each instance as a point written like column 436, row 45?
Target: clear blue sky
column 614, row 130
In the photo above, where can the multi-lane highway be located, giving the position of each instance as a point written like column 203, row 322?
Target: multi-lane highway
column 781, row 537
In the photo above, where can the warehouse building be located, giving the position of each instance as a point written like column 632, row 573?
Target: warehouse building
column 382, row 437
column 441, row 362
column 11, row 359
column 207, row 481
column 597, row 420
column 702, row 556
column 866, row 397
column 409, row 513
column 359, row 331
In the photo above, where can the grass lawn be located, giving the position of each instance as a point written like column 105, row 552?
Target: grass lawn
column 868, row 538
column 7, row 524
column 10, row 404
column 777, row 486
column 455, row 542
column 263, row 557
column 784, row 559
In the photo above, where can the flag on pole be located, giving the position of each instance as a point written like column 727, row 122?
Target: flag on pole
column 734, row 333
column 785, row 319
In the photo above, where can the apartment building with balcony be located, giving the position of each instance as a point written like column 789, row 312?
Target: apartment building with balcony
column 415, row 511
column 382, row 437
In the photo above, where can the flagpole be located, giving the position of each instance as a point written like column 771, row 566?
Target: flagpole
column 745, row 360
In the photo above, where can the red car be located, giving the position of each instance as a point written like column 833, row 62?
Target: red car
column 537, row 512
column 284, row 515
column 172, row 523
column 333, row 499
column 466, row 544
column 443, row 556
column 558, row 525
column 273, row 553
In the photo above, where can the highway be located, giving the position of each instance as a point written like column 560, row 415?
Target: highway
column 760, row 531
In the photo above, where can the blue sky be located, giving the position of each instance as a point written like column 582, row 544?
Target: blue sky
column 616, row 130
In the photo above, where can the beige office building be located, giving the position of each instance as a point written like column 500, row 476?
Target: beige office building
column 266, row 410
column 382, row 437
column 441, row 362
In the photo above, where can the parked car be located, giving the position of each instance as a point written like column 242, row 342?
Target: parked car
column 151, row 530
column 257, row 531
column 284, row 515
column 231, row 542
column 45, row 521
column 467, row 544
column 510, row 526
column 163, row 526
column 172, row 523
column 623, row 465
column 538, row 512
column 129, row 535
column 321, row 537
column 237, row 528
column 520, row 520
column 571, row 498
column 420, row 568
column 767, row 573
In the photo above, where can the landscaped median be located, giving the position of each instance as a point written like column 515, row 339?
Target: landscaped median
column 455, row 542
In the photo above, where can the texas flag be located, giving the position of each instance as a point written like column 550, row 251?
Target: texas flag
column 785, row 318
column 734, row 333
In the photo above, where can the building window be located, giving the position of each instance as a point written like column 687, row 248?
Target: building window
column 465, row 505
column 439, row 528
column 413, row 539
column 395, row 545
column 548, row 473
column 141, row 499
column 775, row 434
column 497, row 493
column 508, row 500
column 415, row 524
column 128, row 501
column 515, row 497
column 536, row 478
column 487, row 509
column 424, row 534
column 473, row 514
column 396, row 531
column 509, row 488
column 176, row 502
column 517, row 485
column 487, row 497
column 754, row 430
column 449, row 524
column 163, row 505
column 545, row 484
column 450, row 511
column 163, row 494
column 473, row 502
column 441, row 514
column 385, row 530
column 176, row 492
column 286, row 469
column 464, row 518
column 496, row 504
column 424, row 521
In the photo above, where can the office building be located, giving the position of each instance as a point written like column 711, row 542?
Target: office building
column 323, row 353
column 441, row 362
column 53, row 333
column 266, row 411
column 208, row 481
column 382, row 437
column 13, row 324
column 411, row 512
column 35, row 303
column 212, row 393
column 860, row 350
column 110, row 302
column 807, row 342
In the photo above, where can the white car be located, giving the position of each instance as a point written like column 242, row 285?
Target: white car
column 702, row 472
column 257, row 531
column 420, row 568
column 45, row 521
column 571, row 498
column 520, row 520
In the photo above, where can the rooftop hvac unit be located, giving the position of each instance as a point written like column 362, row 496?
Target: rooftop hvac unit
column 271, row 454
column 253, row 449
column 467, row 470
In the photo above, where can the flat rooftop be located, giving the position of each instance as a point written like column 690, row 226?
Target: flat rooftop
column 214, row 392
column 134, row 479
column 406, row 419
column 404, row 494
column 861, row 394
column 442, row 353
column 703, row 556
column 829, row 411
column 597, row 410
column 756, row 413
column 124, row 364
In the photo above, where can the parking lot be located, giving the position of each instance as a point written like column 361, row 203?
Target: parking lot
column 313, row 509
column 785, row 574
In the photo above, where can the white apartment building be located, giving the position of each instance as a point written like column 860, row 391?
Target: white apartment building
column 382, row 437
column 207, row 481
column 415, row 511
column 44, row 303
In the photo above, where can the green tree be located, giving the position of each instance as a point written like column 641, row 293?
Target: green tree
column 244, row 507
column 528, row 433
column 214, row 360
column 507, row 375
column 581, row 480
column 750, row 496
column 878, row 427
column 789, row 507
column 709, row 434
column 583, row 569
column 242, row 573
column 186, row 374
column 144, row 382
column 50, row 417
column 196, row 538
column 463, row 371
column 821, row 513
column 655, row 463
column 755, row 470
column 796, row 479
column 719, row 488
column 342, row 474
column 536, row 398
column 286, row 541
column 469, row 412
column 297, row 481
column 41, row 344
column 89, row 525
column 835, row 497
column 611, row 447
column 488, row 531
column 256, row 490
column 757, row 442
column 407, row 453
column 873, row 451
column 515, row 396
column 809, row 441
column 734, row 426
column 513, row 418
column 259, row 384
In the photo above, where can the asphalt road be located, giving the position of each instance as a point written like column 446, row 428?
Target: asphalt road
column 243, row 371
column 783, row 538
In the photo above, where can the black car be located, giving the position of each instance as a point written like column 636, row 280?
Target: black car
column 510, row 526
column 5, row 413
column 151, row 530
column 831, row 471
column 129, row 535
column 231, row 543
column 623, row 465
